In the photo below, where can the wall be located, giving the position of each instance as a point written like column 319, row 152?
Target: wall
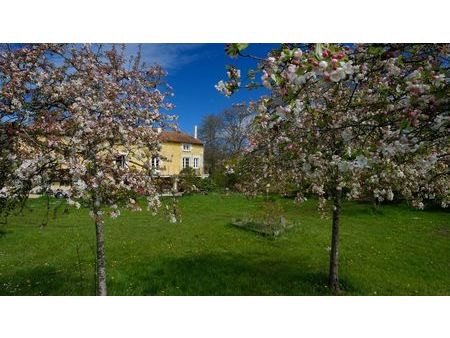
column 172, row 154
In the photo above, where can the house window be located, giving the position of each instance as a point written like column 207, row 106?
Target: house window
column 155, row 162
column 186, row 163
column 187, row 147
column 121, row 161
column 195, row 162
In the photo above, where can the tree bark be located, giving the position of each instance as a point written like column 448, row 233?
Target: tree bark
column 100, row 243
column 99, row 234
column 101, row 270
column 333, row 278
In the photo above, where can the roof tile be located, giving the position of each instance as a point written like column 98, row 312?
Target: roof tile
column 178, row 137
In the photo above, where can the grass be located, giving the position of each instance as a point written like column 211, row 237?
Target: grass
column 393, row 251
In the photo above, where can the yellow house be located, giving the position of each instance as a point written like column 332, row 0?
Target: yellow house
column 178, row 151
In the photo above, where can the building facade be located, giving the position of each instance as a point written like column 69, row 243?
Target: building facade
column 179, row 151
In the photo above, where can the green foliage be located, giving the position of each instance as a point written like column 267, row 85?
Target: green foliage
column 223, row 180
column 375, row 50
column 319, row 50
column 188, row 180
column 233, row 49
column 207, row 184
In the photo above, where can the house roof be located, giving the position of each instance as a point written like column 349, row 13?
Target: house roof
column 178, row 137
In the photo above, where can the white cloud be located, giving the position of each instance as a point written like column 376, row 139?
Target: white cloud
column 169, row 55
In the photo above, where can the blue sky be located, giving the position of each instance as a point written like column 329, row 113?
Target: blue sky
column 193, row 70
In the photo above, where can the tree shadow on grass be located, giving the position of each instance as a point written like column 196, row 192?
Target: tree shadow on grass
column 43, row 280
column 216, row 274
column 234, row 275
column 3, row 233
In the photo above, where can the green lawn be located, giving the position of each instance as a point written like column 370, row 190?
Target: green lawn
column 393, row 251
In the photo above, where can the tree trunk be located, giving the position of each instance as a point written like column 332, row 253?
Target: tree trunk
column 99, row 234
column 101, row 271
column 100, row 243
column 333, row 278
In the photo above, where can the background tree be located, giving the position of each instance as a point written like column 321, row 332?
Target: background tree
column 91, row 105
column 346, row 121
column 236, row 121
column 210, row 133
column 225, row 135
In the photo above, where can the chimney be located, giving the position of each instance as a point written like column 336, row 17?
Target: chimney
column 195, row 131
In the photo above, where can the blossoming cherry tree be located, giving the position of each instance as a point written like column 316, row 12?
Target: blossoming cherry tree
column 350, row 122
